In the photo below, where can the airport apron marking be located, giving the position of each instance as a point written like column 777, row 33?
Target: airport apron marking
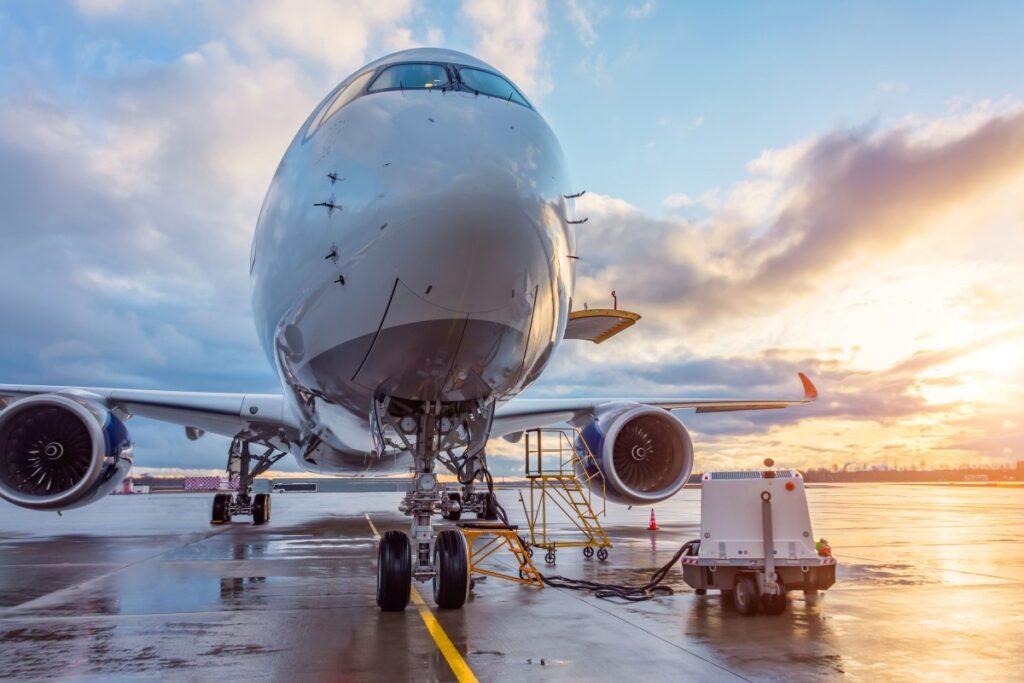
column 458, row 665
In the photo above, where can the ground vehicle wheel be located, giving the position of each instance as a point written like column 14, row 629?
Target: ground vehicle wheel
column 261, row 509
column 394, row 571
column 602, row 554
column 529, row 550
column 588, row 552
column 550, row 557
column 700, row 591
column 776, row 603
column 453, row 516
column 221, row 513
column 451, row 569
column 744, row 595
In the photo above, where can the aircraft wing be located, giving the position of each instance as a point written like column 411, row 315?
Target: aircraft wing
column 522, row 414
column 225, row 414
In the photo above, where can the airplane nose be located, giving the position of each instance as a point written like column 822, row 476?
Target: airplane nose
column 479, row 258
column 477, row 245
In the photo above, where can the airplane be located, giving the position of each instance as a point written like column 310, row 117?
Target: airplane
column 402, row 328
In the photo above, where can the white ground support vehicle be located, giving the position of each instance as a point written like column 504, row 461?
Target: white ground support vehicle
column 743, row 514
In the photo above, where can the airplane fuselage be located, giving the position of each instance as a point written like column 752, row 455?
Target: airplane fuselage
column 413, row 243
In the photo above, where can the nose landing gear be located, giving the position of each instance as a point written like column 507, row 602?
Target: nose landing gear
column 453, row 434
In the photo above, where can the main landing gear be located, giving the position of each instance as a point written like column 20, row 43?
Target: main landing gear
column 245, row 466
column 454, row 435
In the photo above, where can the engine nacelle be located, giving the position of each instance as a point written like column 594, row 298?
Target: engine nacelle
column 644, row 454
column 60, row 451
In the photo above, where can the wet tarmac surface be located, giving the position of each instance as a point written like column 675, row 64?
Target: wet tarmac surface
column 930, row 586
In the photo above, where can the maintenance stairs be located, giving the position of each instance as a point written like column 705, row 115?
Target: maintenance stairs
column 563, row 472
column 484, row 539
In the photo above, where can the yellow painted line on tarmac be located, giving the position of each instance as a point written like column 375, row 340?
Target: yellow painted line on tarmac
column 376, row 534
column 459, row 667
column 451, row 654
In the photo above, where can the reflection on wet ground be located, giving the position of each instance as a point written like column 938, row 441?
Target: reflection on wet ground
column 930, row 585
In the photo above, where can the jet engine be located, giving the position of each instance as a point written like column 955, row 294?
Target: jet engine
column 60, row 451
column 643, row 454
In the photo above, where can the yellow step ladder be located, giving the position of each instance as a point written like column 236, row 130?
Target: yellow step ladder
column 565, row 476
column 484, row 539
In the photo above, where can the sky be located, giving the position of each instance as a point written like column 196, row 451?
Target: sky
column 834, row 188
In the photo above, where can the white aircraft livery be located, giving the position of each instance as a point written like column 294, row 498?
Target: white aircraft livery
column 412, row 272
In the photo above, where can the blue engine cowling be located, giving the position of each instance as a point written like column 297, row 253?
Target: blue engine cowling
column 60, row 451
column 643, row 454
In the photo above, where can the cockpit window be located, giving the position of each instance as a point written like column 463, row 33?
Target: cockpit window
column 411, row 77
column 351, row 91
column 486, row 83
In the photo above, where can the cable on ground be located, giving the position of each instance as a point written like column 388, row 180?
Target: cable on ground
column 615, row 591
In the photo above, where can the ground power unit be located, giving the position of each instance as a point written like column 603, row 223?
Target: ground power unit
column 756, row 541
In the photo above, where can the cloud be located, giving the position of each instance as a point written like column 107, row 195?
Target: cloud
column 678, row 200
column 335, row 34
column 130, row 200
column 801, row 215
column 640, row 11
column 580, row 18
column 510, row 35
column 882, row 262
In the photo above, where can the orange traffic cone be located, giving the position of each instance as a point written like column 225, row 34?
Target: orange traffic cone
column 653, row 526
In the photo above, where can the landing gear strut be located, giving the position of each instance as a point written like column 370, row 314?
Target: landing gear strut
column 432, row 432
column 246, row 466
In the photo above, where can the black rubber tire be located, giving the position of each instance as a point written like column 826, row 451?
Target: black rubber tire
column 588, row 552
column 453, row 516
column 261, row 509
column 602, row 554
column 774, row 605
column 451, row 569
column 745, row 598
column 394, row 571
column 490, row 512
column 549, row 557
column 220, row 514
column 700, row 591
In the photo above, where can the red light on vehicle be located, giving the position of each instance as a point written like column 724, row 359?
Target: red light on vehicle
column 790, row 486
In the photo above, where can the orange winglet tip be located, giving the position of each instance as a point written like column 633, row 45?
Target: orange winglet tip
column 810, row 391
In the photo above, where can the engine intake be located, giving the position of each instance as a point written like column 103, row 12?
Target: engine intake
column 61, row 451
column 644, row 454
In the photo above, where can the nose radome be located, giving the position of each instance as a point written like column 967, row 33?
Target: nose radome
column 474, row 245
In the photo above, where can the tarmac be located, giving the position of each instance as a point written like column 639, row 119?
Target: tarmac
column 930, row 586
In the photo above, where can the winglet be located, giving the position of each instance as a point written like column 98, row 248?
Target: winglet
column 810, row 391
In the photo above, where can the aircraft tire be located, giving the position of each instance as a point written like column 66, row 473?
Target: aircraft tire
column 451, row 567
column 394, row 571
column 261, row 509
column 221, row 512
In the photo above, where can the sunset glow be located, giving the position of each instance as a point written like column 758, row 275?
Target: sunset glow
column 856, row 216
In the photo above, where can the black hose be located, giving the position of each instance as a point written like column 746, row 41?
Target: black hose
column 498, row 509
column 605, row 591
column 614, row 591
